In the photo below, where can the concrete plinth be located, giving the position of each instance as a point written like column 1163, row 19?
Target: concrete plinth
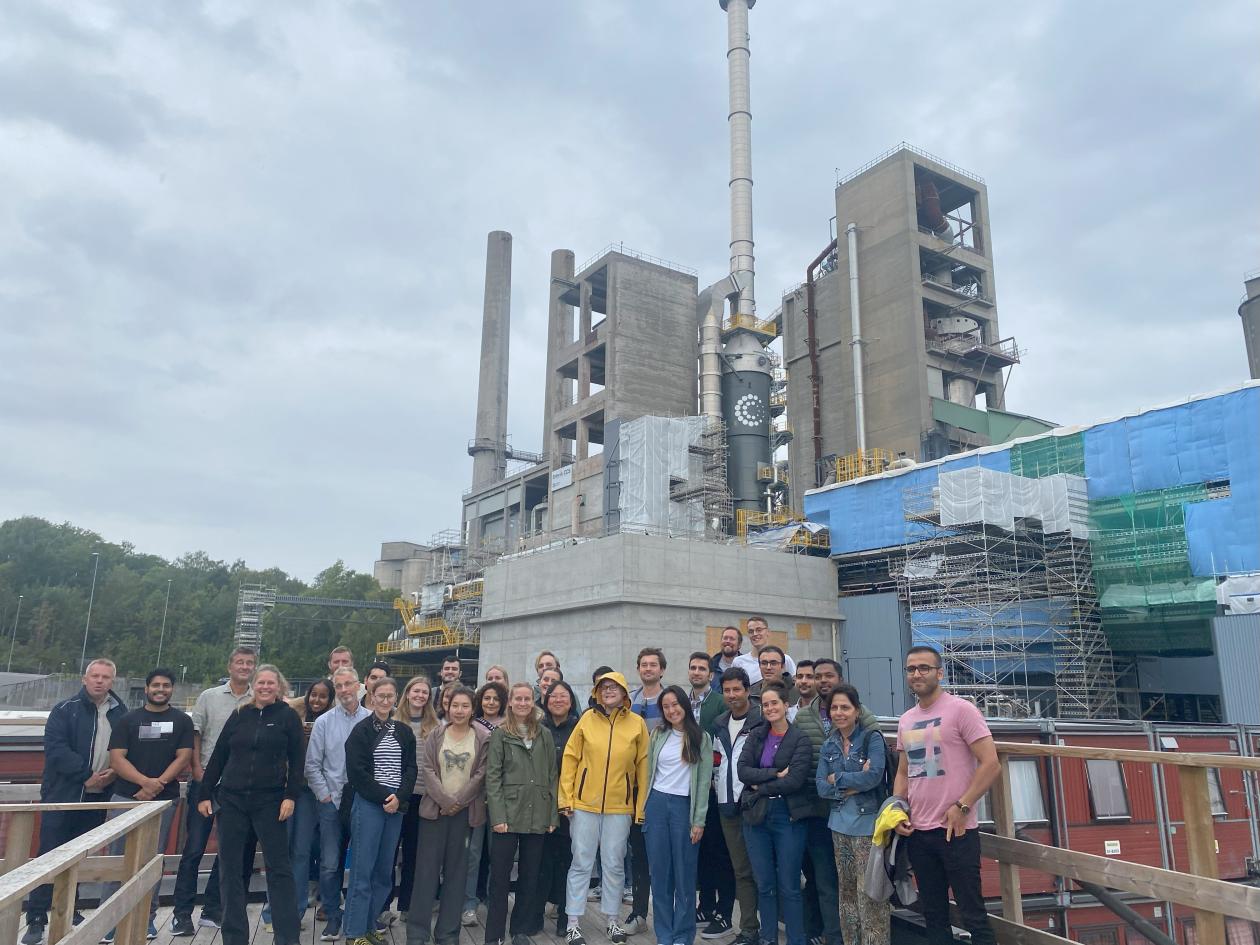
column 600, row 601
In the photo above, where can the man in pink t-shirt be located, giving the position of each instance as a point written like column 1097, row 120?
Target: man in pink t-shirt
column 947, row 763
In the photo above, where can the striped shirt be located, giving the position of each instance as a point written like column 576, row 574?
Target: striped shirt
column 387, row 759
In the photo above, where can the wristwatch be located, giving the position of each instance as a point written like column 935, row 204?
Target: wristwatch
column 965, row 808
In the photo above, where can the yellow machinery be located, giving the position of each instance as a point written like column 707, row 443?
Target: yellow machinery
column 862, row 463
column 803, row 538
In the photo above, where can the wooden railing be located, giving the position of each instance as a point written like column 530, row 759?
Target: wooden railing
column 138, row 869
column 1211, row 898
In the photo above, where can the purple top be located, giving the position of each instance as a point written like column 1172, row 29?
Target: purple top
column 769, row 748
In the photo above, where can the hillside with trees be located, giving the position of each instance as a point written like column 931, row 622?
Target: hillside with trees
column 51, row 567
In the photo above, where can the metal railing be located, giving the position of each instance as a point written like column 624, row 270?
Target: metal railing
column 625, row 250
column 906, row 146
column 138, row 869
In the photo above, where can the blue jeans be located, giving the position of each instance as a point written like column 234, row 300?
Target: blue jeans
column 606, row 834
column 667, row 834
column 302, row 827
column 476, row 843
column 776, row 847
column 374, row 839
column 331, row 859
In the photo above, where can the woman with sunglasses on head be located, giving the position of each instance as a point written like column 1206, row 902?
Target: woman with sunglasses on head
column 415, row 710
column 559, row 717
column 255, row 777
column 453, row 770
column 680, row 771
column 776, row 768
column 381, row 770
column 521, row 800
column 851, row 775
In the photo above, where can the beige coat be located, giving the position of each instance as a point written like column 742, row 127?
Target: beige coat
column 436, row 798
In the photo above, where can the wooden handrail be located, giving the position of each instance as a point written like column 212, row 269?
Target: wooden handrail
column 1200, row 888
column 129, row 910
column 1181, row 759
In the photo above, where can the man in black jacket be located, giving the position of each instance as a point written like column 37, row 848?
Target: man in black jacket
column 76, row 769
column 730, row 730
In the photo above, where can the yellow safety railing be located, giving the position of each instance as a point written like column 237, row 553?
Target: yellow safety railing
column 866, row 462
column 752, row 323
column 468, row 590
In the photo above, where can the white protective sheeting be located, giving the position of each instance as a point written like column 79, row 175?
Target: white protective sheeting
column 431, row 597
column 655, row 457
column 1240, row 594
column 977, row 495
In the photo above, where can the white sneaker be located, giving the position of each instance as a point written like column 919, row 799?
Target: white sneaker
column 469, row 917
column 552, row 911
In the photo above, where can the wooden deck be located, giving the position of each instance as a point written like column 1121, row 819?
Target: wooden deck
column 592, row 928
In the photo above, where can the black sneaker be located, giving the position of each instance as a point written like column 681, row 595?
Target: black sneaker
column 182, row 926
column 717, row 927
column 34, row 934
column 743, row 939
column 616, row 934
column 572, row 936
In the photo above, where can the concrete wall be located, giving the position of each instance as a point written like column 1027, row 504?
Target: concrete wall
column 402, row 565
column 600, row 601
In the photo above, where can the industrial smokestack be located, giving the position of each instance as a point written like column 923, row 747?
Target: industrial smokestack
column 489, row 447
column 739, row 120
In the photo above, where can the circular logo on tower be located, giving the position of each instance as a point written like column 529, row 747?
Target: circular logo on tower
column 750, row 410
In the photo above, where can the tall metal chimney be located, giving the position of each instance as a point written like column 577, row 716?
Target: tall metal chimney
column 739, row 120
column 489, row 446
column 746, row 369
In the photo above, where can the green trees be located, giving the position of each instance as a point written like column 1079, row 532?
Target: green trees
column 51, row 567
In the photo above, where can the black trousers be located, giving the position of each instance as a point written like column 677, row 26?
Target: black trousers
column 553, row 874
column 256, row 813
column 407, row 854
column 821, row 895
column 716, row 877
column 640, row 877
column 55, row 828
column 940, row 866
column 444, row 859
column 503, row 847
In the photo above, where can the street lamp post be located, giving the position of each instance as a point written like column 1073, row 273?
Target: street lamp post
column 162, row 635
column 91, row 598
column 9, row 668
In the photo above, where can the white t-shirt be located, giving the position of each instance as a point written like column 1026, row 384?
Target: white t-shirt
column 748, row 663
column 673, row 775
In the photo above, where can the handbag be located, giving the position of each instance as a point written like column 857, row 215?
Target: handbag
column 752, row 807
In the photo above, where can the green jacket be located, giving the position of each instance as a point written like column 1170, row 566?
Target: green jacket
column 712, row 706
column 520, row 782
column 810, row 722
column 701, row 773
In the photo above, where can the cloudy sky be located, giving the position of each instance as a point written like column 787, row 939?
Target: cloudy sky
column 242, row 244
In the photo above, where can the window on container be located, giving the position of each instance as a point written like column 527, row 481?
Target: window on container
column 1098, row 936
column 1215, row 793
column 1107, row 795
column 1030, row 807
column 1239, row 932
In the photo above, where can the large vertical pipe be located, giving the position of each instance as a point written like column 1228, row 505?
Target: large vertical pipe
column 709, row 305
column 855, row 322
column 739, row 121
column 815, row 371
column 559, row 335
column 489, row 446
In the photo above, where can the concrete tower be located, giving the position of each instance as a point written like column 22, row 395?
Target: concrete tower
column 489, row 446
column 1249, row 312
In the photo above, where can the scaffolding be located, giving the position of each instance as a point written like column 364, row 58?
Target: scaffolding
column 252, row 603
column 998, row 576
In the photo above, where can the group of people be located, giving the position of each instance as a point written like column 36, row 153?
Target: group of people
column 756, row 773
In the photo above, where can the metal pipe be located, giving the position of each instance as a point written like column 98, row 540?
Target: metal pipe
column 739, row 120
column 489, row 446
column 811, row 341
column 709, row 305
column 855, row 320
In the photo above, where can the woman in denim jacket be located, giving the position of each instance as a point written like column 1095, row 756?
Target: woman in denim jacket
column 851, row 775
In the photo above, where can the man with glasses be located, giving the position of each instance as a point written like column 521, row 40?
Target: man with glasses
column 759, row 637
column 771, row 662
column 948, row 761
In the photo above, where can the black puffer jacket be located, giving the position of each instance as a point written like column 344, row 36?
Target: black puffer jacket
column 258, row 750
column 794, row 753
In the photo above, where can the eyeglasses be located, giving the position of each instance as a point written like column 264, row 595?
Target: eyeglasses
column 921, row 670
column 770, row 662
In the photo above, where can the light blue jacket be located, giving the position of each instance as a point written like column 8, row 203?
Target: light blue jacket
column 325, row 766
column 852, row 814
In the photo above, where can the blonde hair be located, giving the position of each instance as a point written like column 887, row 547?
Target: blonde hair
column 281, row 681
column 534, row 722
column 507, row 680
column 428, row 716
